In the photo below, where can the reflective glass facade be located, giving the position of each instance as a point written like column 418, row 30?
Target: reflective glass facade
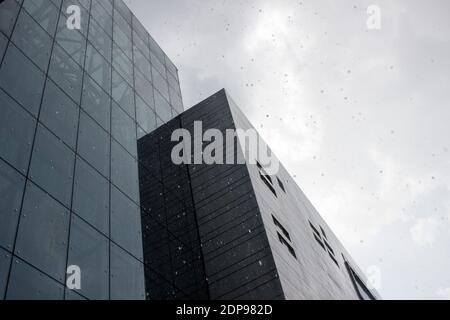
column 73, row 104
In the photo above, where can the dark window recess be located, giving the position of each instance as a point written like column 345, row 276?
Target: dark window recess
column 319, row 241
column 281, row 185
column 280, row 226
column 360, row 287
column 266, row 178
column 287, row 244
column 322, row 240
column 323, row 233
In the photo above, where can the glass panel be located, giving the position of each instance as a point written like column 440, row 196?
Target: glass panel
column 100, row 40
column 154, row 47
column 125, row 13
column 44, row 13
column 16, row 133
column 96, row 102
column 123, row 129
column 52, row 166
column 72, row 41
column 123, row 41
column 176, row 100
column 3, row 44
column 123, row 94
column 171, row 68
column 142, row 64
column 127, row 276
column 174, row 84
column 141, row 45
column 101, row 16
column 91, row 196
column 66, row 73
column 27, row 283
column 11, row 191
column 5, row 263
column 8, row 15
column 107, row 4
column 124, row 172
column 98, row 68
column 126, row 223
column 146, row 117
column 60, row 114
column 93, row 144
column 160, row 84
column 144, row 88
column 140, row 33
column 122, row 64
column 162, row 107
column 43, row 233
column 156, row 63
column 32, row 40
column 22, row 79
column 89, row 250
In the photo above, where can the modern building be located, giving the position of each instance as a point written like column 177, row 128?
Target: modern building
column 259, row 236
column 73, row 104
column 87, row 179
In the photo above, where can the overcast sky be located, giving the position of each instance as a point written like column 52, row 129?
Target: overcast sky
column 359, row 117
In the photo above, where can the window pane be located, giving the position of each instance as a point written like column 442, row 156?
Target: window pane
column 162, row 107
column 91, row 196
column 156, row 63
column 124, row 172
column 144, row 88
column 89, row 250
column 16, row 133
column 127, row 276
column 125, row 13
column 122, row 64
column 98, row 68
column 8, row 14
column 43, row 233
column 176, row 100
column 32, row 40
column 27, row 283
column 123, row 41
column 44, row 13
column 60, row 114
column 72, row 41
column 126, row 223
column 123, row 129
column 11, row 191
column 146, row 117
column 93, row 144
column 22, row 79
column 52, row 166
column 5, row 262
column 96, row 102
column 123, row 94
column 66, row 73
column 142, row 64
column 3, row 44
column 100, row 40
column 160, row 83
column 101, row 16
